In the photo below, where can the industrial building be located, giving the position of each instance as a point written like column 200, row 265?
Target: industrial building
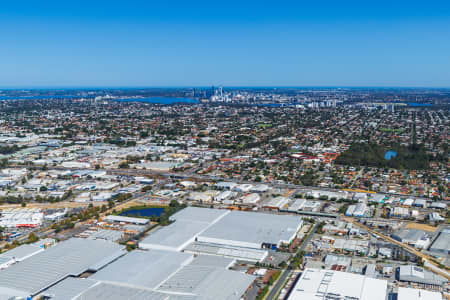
column 18, row 217
column 357, row 210
column 318, row 284
column 137, row 221
column 414, row 237
column 73, row 257
column 157, row 274
column 247, row 254
column 144, row 268
column 252, row 230
column 415, row 274
column 189, row 223
column 18, row 254
column 442, row 243
column 227, row 233
column 277, row 203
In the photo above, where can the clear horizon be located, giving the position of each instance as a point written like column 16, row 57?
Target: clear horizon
column 89, row 44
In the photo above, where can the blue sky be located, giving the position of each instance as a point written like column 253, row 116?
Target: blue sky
column 234, row 43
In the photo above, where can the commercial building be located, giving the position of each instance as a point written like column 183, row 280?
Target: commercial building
column 316, row 284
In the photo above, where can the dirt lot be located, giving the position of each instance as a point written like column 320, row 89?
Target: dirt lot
column 421, row 227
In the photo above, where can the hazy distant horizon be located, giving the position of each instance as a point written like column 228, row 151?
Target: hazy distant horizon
column 224, row 86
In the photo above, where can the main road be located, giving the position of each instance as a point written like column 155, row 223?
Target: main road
column 189, row 176
column 286, row 272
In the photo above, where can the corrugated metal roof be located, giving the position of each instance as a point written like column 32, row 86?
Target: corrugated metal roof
column 143, row 268
column 189, row 222
column 117, row 292
column 21, row 252
column 113, row 218
column 71, row 257
column 227, row 251
column 208, row 278
column 256, row 228
column 69, row 288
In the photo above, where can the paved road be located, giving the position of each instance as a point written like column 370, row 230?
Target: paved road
column 427, row 259
column 277, row 287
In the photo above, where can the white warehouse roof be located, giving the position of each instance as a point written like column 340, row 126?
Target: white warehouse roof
column 251, row 229
column 416, row 294
column 189, row 222
column 315, row 284
column 143, row 268
column 44, row 269
column 113, row 218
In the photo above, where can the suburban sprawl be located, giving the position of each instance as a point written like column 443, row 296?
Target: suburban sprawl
column 225, row 193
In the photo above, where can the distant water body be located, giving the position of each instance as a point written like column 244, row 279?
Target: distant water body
column 2, row 98
column 160, row 100
column 145, row 212
column 390, row 154
column 413, row 104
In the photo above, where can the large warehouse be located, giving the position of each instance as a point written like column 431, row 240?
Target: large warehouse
column 252, row 230
column 317, row 284
column 189, row 223
column 86, row 269
column 248, row 230
column 154, row 275
column 42, row 270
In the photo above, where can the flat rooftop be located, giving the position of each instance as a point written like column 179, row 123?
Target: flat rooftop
column 252, row 229
column 143, row 268
column 68, row 258
column 416, row 294
column 189, row 223
column 318, row 284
